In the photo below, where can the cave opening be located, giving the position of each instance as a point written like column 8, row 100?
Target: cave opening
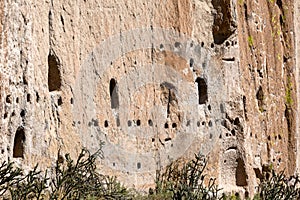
column 202, row 90
column 260, row 99
column 19, row 141
column 240, row 174
column 54, row 76
column 113, row 91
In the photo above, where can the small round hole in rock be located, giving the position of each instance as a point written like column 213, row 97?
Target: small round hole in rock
column 71, row 100
column 233, row 132
column 209, row 107
column 37, row 97
column 118, row 122
column 28, row 98
column 129, row 123
column 138, row 122
column 105, row 123
column 177, row 44
column 139, row 165
column 227, row 43
column 17, row 100
column 22, row 114
column 191, row 62
column 188, row 123
column 166, row 125
column 59, row 101
column 236, row 121
column 150, row 123
column 8, row 99
column 174, row 125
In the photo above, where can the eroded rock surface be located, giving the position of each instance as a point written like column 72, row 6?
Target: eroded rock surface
column 156, row 81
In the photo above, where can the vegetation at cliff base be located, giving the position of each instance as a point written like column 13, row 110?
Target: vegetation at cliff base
column 79, row 179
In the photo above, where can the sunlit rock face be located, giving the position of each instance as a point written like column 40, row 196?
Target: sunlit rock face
column 156, row 81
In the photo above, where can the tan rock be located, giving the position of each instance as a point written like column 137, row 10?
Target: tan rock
column 155, row 80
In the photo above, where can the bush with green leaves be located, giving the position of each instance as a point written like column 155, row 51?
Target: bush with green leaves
column 67, row 180
column 187, row 180
column 79, row 179
column 277, row 186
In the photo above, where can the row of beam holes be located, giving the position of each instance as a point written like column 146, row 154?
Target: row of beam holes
column 174, row 125
column 203, row 123
column 138, row 165
column 276, row 137
column 212, row 45
column 166, row 125
column 9, row 101
column 28, row 99
column 227, row 44
column 232, row 133
column 129, row 123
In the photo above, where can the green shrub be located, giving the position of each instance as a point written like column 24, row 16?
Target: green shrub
column 79, row 179
column 187, row 180
column 70, row 180
column 278, row 186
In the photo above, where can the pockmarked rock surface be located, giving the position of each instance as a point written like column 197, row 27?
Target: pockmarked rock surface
column 156, row 81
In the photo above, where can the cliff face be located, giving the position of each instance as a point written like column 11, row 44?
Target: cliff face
column 268, row 58
column 156, row 81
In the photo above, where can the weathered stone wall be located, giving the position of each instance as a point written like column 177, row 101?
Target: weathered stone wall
column 268, row 71
column 155, row 81
column 297, row 45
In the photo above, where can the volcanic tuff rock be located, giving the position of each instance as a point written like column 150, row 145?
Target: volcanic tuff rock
column 154, row 80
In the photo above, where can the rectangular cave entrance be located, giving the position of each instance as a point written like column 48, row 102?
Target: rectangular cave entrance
column 19, row 141
column 202, row 90
column 54, row 76
column 113, row 91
